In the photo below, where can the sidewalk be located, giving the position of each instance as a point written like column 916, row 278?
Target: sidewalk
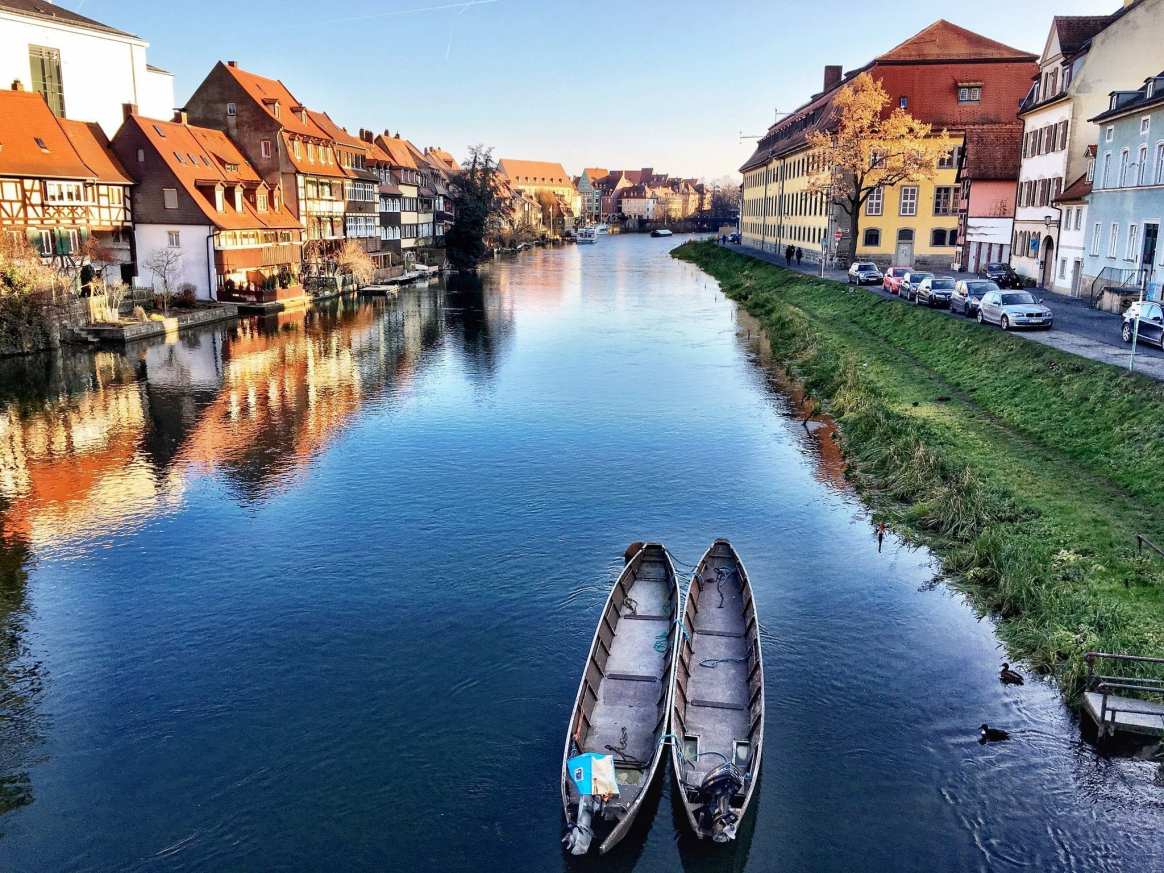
column 1078, row 329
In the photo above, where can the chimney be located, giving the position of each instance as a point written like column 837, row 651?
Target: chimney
column 180, row 117
column 832, row 76
column 128, row 109
column 366, row 135
column 232, row 63
column 17, row 85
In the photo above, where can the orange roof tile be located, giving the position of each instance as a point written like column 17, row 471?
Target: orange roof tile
column 201, row 158
column 266, row 92
column 446, row 159
column 92, row 145
column 549, row 170
column 32, row 141
column 943, row 41
column 397, row 151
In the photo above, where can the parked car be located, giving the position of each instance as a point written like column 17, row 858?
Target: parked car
column 893, row 278
column 734, row 239
column 1151, row 328
column 864, row 272
column 912, row 279
column 968, row 293
column 934, row 291
column 1003, row 275
column 1010, row 309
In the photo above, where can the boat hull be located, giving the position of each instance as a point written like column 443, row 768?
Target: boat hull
column 624, row 696
column 717, row 708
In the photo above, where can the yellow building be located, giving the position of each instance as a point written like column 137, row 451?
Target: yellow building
column 946, row 76
column 532, row 177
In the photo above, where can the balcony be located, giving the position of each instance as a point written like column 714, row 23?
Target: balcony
column 230, row 260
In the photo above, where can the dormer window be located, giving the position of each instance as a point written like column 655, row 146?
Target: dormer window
column 219, row 199
column 261, row 200
column 40, row 144
column 969, row 93
column 275, row 109
column 238, row 198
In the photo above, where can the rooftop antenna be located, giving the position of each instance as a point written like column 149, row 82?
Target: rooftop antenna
column 777, row 115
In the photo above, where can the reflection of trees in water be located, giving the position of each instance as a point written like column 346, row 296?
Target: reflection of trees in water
column 20, row 679
column 480, row 323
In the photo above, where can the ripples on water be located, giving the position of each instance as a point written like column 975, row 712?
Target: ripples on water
column 313, row 592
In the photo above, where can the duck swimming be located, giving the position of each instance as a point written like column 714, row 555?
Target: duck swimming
column 987, row 734
column 1009, row 676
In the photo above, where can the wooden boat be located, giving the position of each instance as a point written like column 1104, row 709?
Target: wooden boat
column 624, row 698
column 717, row 710
column 660, row 231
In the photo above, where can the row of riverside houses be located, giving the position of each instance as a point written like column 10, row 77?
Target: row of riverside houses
column 640, row 195
column 245, row 194
column 1031, row 134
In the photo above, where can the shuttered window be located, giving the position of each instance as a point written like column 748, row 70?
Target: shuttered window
column 45, row 64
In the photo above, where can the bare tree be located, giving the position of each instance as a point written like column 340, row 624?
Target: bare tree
column 354, row 261
column 165, row 263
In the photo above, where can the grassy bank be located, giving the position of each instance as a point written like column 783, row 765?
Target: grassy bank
column 1028, row 471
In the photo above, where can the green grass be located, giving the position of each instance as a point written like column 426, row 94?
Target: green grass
column 1027, row 471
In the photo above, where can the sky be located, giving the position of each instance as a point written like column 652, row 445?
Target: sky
column 669, row 84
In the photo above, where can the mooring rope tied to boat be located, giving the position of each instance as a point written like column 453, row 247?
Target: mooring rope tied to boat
column 712, row 663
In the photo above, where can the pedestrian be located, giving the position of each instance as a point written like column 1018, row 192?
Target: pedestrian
column 880, row 534
column 799, row 255
column 788, row 253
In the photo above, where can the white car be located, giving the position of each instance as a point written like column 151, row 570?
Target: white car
column 864, row 271
column 1009, row 309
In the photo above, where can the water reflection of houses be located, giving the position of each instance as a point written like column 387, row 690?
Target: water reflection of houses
column 480, row 325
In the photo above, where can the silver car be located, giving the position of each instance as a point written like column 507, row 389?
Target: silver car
column 1010, row 309
column 912, row 279
column 862, row 272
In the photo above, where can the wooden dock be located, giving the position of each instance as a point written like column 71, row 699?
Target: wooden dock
column 1132, row 702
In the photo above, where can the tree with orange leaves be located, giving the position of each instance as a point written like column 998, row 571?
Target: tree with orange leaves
column 868, row 148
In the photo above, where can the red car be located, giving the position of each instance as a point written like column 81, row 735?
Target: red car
column 893, row 277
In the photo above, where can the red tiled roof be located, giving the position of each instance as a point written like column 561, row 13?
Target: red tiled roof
column 549, row 170
column 335, row 132
column 24, row 119
column 446, row 159
column 993, row 152
column 397, row 150
column 1076, row 191
column 201, row 158
column 93, row 147
column 944, row 41
column 266, row 92
column 1075, row 30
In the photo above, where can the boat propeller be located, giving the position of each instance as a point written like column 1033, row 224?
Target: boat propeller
column 716, row 792
column 578, row 837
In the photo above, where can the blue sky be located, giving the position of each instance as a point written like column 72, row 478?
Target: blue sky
column 615, row 84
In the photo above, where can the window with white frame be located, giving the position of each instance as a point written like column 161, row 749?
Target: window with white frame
column 1067, row 217
column 173, row 239
column 1133, row 237
column 1145, row 125
column 231, row 109
column 1123, row 168
column 874, row 204
column 44, row 242
column 908, row 203
column 1105, row 179
column 1062, row 268
column 170, row 198
column 1113, row 240
column 1079, row 218
column 1160, row 163
column 265, row 148
column 1142, row 167
column 1108, row 133
column 1096, row 233
column 944, row 200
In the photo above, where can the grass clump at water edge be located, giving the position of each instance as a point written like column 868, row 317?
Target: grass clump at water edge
column 1027, row 471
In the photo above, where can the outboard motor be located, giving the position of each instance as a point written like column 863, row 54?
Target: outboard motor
column 577, row 839
column 716, row 791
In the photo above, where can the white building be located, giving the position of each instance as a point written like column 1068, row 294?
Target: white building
column 1084, row 59
column 86, row 70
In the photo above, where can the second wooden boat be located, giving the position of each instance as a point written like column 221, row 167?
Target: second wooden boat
column 717, row 711
column 621, row 711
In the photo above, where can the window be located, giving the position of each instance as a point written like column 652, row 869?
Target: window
column 908, row 203
column 1106, row 183
column 1133, row 238
column 1062, row 135
column 1062, row 268
column 231, row 109
column 261, row 201
column 1142, row 177
column 1097, row 231
column 265, row 148
column 1079, row 218
column 1108, row 133
column 944, row 200
column 969, row 94
column 170, row 198
column 1145, row 125
column 173, row 239
column 872, row 237
column 903, row 102
column 939, row 236
column 1113, row 241
column 298, row 148
column 1160, row 163
column 1123, row 168
column 44, row 242
column 45, row 64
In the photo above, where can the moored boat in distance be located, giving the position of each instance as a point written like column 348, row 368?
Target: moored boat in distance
column 717, row 709
column 661, row 231
column 614, row 746
column 602, row 228
column 587, row 236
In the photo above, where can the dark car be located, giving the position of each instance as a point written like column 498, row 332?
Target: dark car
column 1003, row 275
column 934, row 291
column 1151, row 329
column 968, row 293
column 912, row 279
column 734, row 239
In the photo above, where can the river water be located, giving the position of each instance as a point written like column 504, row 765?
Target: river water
column 314, row 593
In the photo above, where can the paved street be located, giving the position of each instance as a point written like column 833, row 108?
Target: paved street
column 1078, row 329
